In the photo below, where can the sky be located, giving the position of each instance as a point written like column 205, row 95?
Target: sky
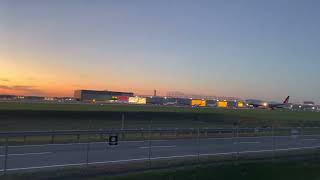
column 265, row 49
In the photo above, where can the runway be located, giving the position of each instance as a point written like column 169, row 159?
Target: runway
column 36, row 157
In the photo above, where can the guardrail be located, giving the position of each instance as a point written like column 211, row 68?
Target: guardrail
column 141, row 130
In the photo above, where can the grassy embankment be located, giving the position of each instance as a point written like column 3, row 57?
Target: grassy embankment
column 41, row 117
column 22, row 116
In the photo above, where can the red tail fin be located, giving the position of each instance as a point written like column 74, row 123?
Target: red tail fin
column 286, row 101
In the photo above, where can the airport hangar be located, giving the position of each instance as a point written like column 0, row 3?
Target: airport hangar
column 94, row 96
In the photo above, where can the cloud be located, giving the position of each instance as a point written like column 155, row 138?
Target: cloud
column 28, row 89
column 4, row 80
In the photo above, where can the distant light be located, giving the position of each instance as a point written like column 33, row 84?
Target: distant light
column 265, row 104
column 313, row 108
column 300, row 106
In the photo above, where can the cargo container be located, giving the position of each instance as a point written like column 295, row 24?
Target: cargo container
column 198, row 102
column 222, row 104
column 240, row 104
column 123, row 99
column 137, row 100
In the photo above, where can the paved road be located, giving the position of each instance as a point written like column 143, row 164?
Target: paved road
column 62, row 155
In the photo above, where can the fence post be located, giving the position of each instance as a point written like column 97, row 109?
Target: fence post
column 142, row 134
column 52, row 139
column 198, row 144
column 233, row 133
column 149, row 153
column 122, row 121
column 238, row 140
column 273, row 141
column 87, row 153
column 6, row 157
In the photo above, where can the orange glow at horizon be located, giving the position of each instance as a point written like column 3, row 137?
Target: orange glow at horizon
column 19, row 76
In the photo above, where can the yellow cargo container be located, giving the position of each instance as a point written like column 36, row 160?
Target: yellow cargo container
column 222, row 104
column 137, row 100
column 240, row 104
column 199, row 102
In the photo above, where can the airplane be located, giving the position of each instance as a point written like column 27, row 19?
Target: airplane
column 171, row 103
column 271, row 106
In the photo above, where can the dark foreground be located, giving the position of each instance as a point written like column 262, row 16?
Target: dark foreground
column 247, row 171
column 263, row 170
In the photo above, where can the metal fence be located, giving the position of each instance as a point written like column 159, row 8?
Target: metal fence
column 150, row 147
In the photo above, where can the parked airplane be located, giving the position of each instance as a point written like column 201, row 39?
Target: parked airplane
column 170, row 103
column 271, row 105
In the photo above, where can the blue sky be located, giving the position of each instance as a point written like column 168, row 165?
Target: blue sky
column 264, row 49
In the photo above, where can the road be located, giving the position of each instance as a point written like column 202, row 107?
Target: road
column 34, row 157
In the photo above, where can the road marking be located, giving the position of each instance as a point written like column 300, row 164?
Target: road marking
column 70, row 144
column 147, row 147
column 95, row 163
column 155, row 158
column 310, row 139
column 27, row 154
column 257, row 151
column 218, row 154
column 42, row 145
column 250, row 142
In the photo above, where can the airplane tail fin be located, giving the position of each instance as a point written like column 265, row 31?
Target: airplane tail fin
column 287, row 100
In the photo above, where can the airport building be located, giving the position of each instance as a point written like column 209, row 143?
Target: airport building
column 7, row 97
column 93, row 96
column 155, row 100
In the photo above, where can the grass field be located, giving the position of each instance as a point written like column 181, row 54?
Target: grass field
column 40, row 116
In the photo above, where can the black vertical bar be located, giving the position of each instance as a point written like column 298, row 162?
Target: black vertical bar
column 6, row 157
column 52, row 139
column 198, row 144
column 122, row 121
column 149, row 153
column 78, row 138
column 87, row 153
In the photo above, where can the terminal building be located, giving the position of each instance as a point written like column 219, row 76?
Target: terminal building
column 92, row 95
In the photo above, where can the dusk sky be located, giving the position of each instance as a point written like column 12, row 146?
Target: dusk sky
column 264, row 49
